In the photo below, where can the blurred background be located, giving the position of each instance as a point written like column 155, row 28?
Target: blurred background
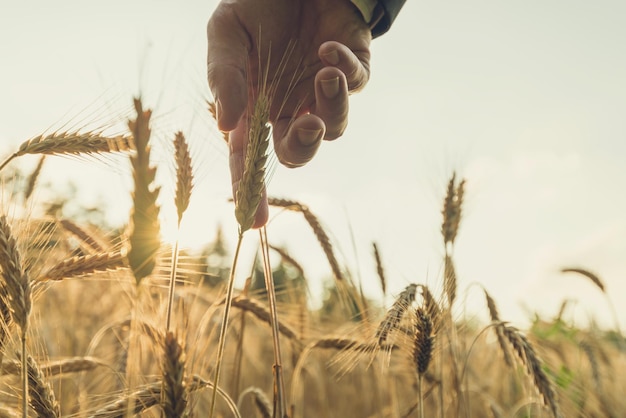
column 526, row 100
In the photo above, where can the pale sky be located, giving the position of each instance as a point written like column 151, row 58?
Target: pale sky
column 527, row 100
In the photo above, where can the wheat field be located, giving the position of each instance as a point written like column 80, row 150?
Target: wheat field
column 114, row 322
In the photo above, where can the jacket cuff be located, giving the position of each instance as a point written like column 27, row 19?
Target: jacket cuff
column 384, row 15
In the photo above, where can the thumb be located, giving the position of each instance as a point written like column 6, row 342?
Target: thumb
column 228, row 46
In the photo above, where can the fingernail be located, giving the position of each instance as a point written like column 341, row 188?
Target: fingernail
column 330, row 87
column 332, row 57
column 309, row 136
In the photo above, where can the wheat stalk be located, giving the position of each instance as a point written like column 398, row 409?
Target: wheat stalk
column 260, row 400
column 184, row 184
column 144, row 237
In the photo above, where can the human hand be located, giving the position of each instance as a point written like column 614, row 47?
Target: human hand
column 329, row 60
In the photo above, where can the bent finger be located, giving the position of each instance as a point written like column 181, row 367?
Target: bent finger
column 355, row 64
column 331, row 101
column 296, row 141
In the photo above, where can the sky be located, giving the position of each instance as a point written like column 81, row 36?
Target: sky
column 526, row 100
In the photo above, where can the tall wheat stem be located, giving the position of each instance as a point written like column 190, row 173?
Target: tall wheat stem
column 24, row 378
column 172, row 287
column 224, row 326
column 279, row 389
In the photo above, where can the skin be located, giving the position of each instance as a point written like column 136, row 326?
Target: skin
column 330, row 60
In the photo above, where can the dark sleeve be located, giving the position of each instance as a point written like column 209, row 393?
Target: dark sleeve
column 391, row 9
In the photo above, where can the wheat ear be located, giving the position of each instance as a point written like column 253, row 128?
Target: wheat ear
column 42, row 398
column 81, row 234
column 534, row 366
column 379, row 269
column 144, row 237
column 174, row 395
column 495, row 319
column 18, row 290
column 72, row 143
column 184, row 184
column 84, row 265
column 32, row 179
column 316, row 226
column 422, row 351
column 394, row 315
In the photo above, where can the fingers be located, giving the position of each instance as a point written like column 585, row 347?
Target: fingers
column 297, row 141
column 228, row 46
column 355, row 64
column 237, row 142
column 331, row 101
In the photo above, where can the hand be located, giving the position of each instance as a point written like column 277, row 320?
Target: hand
column 329, row 57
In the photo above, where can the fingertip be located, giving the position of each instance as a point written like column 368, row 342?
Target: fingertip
column 297, row 143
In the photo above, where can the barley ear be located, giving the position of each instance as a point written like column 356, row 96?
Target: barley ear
column 145, row 228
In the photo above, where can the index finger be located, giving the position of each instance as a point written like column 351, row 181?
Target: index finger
column 228, row 46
